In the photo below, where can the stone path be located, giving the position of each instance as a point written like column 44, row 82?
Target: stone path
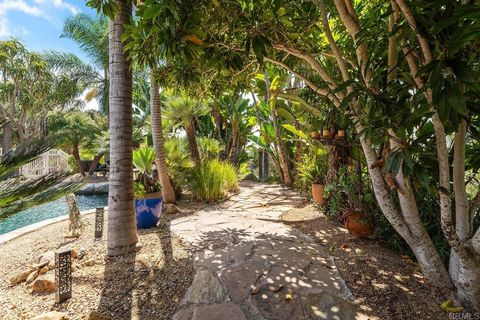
column 249, row 265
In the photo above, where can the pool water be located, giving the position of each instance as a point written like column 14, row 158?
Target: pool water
column 50, row 210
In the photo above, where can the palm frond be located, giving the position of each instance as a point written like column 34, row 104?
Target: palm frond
column 72, row 65
column 24, row 154
column 57, row 186
column 91, row 34
column 15, row 189
column 3, row 123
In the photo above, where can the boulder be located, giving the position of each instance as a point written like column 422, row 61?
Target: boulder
column 43, row 270
column 95, row 315
column 170, row 208
column 44, row 285
column 52, row 315
column 32, row 276
column 22, row 276
column 49, row 257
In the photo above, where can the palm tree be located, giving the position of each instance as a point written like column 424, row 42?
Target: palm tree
column 168, row 191
column 91, row 34
column 182, row 111
column 122, row 232
column 74, row 129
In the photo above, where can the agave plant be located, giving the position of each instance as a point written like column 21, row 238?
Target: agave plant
column 143, row 159
column 17, row 193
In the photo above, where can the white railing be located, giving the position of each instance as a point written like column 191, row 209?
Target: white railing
column 51, row 161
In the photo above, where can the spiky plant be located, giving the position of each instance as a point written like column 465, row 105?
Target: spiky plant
column 17, row 193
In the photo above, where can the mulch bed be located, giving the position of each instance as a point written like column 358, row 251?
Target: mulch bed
column 385, row 283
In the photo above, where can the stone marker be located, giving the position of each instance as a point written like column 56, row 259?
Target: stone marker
column 63, row 274
column 75, row 227
column 99, row 223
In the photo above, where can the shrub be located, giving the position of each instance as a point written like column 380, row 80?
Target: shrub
column 211, row 180
column 312, row 169
column 208, row 148
column 178, row 162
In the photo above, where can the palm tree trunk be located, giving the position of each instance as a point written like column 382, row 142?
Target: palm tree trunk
column 192, row 142
column 94, row 163
column 122, row 232
column 158, row 144
column 78, row 160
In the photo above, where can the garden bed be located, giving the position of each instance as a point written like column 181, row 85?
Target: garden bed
column 385, row 283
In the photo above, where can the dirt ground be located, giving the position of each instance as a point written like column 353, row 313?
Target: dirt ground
column 384, row 282
column 146, row 285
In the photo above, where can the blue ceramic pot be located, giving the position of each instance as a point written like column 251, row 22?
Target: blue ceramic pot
column 148, row 210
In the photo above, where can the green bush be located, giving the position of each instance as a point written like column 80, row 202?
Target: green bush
column 312, row 169
column 208, row 148
column 178, row 162
column 212, row 180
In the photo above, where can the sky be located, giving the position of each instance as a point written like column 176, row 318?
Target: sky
column 38, row 24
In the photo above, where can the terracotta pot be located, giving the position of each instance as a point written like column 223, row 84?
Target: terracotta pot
column 315, row 134
column 341, row 133
column 358, row 224
column 326, row 132
column 317, row 193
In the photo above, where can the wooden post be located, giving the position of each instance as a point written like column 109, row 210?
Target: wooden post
column 63, row 274
column 99, row 217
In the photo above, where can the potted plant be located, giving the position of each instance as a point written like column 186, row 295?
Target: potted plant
column 318, row 183
column 315, row 172
column 148, row 195
column 354, row 217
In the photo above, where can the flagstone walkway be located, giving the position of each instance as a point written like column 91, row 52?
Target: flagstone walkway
column 249, row 265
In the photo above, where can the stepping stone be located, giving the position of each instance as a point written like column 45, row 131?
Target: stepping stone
column 240, row 278
column 205, row 288
column 221, row 311
column 322, row 305
column 276, row 305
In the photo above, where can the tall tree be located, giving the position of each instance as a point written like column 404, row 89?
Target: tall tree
column 182, row 110
column 168, row 191
column 122, row 231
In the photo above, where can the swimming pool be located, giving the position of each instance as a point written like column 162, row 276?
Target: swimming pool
column 50, row 210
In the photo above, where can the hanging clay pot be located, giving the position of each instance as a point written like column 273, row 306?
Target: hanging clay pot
column 326, row 132
column 315, row 134
column 341, row 133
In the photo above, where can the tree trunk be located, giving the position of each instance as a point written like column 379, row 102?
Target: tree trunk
column 192, row 143
column 7, row 139
column 412, row 231
column 94, row 163
column 122, row 231
column 158, row 144
column 78, row 160
column 464, row 268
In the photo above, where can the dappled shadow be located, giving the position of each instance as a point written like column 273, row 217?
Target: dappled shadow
column 116, row 299
column 385, row 283
column 274, row 275
column 148, row 284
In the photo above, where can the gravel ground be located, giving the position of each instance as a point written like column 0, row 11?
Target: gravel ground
column 146, row 285
column 385, row 283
